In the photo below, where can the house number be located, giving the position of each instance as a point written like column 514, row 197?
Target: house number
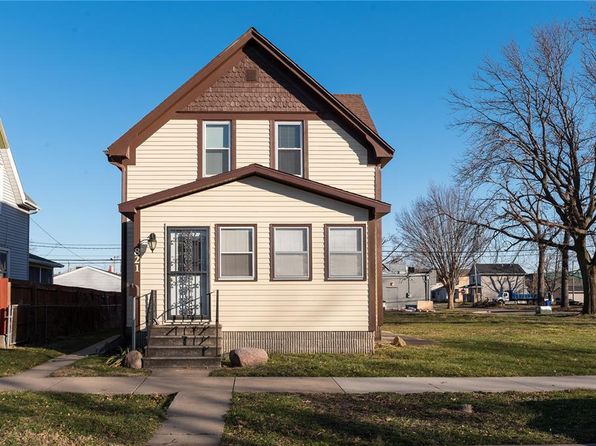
column 137, row 262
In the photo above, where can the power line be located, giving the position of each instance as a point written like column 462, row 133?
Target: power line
column 71, row 245
column 54, row 238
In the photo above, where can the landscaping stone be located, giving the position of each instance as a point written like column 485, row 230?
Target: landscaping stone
column 248, row 357
column 133, row 360
column 399, row 342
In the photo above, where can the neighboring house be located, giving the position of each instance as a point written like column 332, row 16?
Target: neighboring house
column 439, row 294
column 15, row 209
column 42, row 270
column 254, row 181
column 90, row 277
column 403, row 286
column 488, row 280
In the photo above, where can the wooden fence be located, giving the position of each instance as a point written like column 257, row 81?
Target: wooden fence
column 42, row 313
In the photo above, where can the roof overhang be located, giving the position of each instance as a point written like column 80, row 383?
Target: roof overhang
column 121, row 152
column 376, row 208
column 43, row 262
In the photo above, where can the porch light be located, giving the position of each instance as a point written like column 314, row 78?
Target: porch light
column 152, row 241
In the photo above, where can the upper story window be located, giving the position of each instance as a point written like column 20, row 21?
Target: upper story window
column 216, row 147
column 289, row 147
column 4, row 262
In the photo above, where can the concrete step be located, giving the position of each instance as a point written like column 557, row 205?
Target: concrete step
column 183, row 330
column 181, row 362
column 186, row 351
column 164, row 340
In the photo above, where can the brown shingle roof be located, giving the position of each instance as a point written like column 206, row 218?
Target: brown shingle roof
column 355, row 103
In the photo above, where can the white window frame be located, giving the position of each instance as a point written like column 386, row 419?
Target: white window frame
column 7, row 251
column 307, row 252
column 277, row 148
column 361, row 252
column 221, row 277
column 229, row 149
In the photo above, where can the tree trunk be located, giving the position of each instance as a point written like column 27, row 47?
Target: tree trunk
column 565, row 273
column 450, row 300
column 588, row 271
column 540, row 274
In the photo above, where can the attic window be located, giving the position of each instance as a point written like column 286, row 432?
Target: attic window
column 251, row 75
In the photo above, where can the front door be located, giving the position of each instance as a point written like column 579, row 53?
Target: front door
column 187, row 273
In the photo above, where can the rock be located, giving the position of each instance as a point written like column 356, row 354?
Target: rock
column 133, row 360
column 248, row 357
column 467, row 408
column 399, row 342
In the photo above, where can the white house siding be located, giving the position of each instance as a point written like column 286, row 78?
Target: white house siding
column 14, row 224
column 264, row 305
column 89, row 277
column 166, row 159
column 337, row 159
column 252, row 143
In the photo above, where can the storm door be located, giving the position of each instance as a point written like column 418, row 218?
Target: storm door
column 187, row 273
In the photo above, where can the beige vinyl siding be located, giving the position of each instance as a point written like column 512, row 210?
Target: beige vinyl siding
column 263, row 304
column 252, row 142
column 337, row 159
column 166, row 159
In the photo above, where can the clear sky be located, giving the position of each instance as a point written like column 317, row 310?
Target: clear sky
column 75, row 76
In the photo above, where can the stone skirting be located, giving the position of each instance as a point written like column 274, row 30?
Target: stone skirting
column 301, row 341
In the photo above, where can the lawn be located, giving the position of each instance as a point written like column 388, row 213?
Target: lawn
column 424, row 419
column 96, row 366
column 467, row 344
column 65, row 419
column 17, row 359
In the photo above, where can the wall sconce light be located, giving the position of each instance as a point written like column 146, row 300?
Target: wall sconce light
column 152, row 241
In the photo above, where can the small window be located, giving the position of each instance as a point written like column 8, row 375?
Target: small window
column 345, row 255
column 291, row 253
column 4, row 263
column 289, row 147
column 236, row 253
column 216, row 140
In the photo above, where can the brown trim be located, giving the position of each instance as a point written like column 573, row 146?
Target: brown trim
column 305, row 148
column 125, row 146
column 255, row 249
column 199, row 148
column 272, row 137
column 280, row 115
column 326, row 250
column 376, row 208
column 379, row 275
column 372, row 288
column 272, row 228
column 232, row 144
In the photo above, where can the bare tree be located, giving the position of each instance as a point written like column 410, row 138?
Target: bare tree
column 438, row 241
column 531, row 119
column 391, row 247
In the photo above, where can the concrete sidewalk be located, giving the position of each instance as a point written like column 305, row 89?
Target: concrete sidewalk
column 196, row 415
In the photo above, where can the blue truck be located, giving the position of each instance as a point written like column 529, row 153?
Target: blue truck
column 509, row 296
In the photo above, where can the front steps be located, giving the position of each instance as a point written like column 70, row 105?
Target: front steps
column 183, row 346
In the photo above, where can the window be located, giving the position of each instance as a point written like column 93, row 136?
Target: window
column 217, row 147
column 4, row 263
column 289, row 147
column 236, row 246
column 291, row 252
column 345, row 252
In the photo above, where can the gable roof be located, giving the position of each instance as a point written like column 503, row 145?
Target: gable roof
column 122, row 150
column 498, row 269
column 355, row 102
column 23, row 200
column 376, row 207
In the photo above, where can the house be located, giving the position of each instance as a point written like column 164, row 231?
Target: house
column 15, row 208
column 488, row 280
column 460, row 295
column 42, row 270
column 403, row 286
column 90, row 277
column 253, row 183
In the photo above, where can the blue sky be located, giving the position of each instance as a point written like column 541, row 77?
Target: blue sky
column 75, row 76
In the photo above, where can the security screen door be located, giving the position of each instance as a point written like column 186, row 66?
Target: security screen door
column 187, row 273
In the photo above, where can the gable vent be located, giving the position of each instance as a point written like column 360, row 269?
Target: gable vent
column 251, row 75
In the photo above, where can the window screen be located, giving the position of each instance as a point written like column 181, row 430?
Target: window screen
column 289, row 147
column 217, row 147
column 236, row 253
column 292, row 258
column 345, row 255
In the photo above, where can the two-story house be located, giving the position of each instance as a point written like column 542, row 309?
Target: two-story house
column 254, row 183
